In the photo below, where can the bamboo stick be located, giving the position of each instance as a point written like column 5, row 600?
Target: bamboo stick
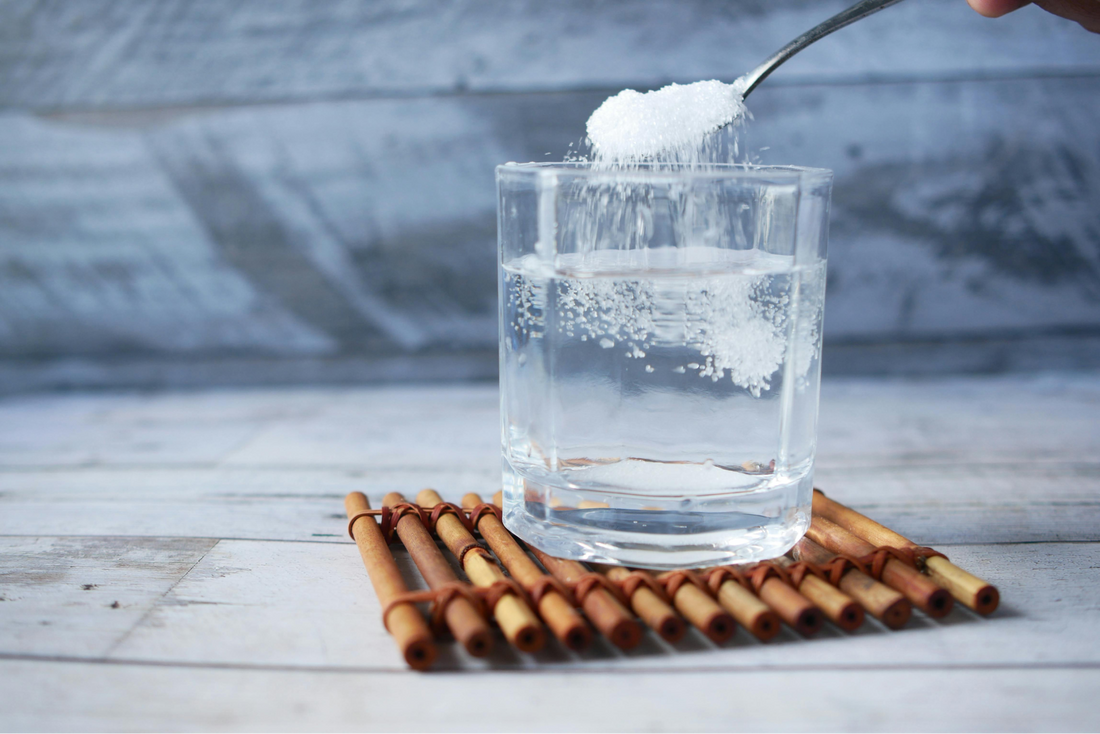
column 653, row 610
column 792, row 607
column 753, row 614
column 701, row 610
column 979, row 595
column 404, row 621
column 715, row 619
column 462, row 618
column 841, row 609
column 918, row 588
column 559, row 615
column 603, row 609
column 498, row 498
column 883, row 603
column 521, row 627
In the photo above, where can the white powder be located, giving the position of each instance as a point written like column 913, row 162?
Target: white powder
column 734, row 320
column 733, row 315
column 670, row 124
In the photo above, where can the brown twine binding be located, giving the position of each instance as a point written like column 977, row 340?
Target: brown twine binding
column 446, row 594
column 389, row 516
column 498, row 589
column 586, row 583
column 485, row 508
column 630, row 583
column 392, row 515
column 797, row 572
column 837, row 567
column 918, row 555
column 471, row 546
column 440, row 598
column 876, row 560
column 351, row 522
column 482, row 598
column 546, row 584
column 759, row 574
column 922, row 553
column 914, row 556
column 673, row 580
column 717, row 576
column 409, row 597
column 448, row 508
column 534, row 592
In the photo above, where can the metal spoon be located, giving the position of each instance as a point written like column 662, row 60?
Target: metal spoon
column 607, row 117
column 748, row 82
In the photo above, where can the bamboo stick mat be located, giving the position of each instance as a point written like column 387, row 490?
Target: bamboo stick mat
column 846, row 567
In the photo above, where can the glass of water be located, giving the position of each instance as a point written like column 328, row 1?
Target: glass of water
column 660, row 344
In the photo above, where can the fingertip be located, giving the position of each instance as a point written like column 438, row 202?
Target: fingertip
column 997, row 8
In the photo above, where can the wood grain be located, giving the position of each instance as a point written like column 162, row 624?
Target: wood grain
column 240, row 700
column 289, row 604
column 240, row 621
column 84, row 596
column 946, row 461
column 291, row 242
column 172, row 53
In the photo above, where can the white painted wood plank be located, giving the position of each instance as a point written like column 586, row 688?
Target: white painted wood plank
column 89, row 429
column 947, row 461
column 962, row 210
column 956, row 503
column 170, row 52
column 446, row 427
column 864, row 423
column 271, row 603
column 276, row 504
column 943, row 459
column 984, row 503
column 1051, row 418
column 1025, row 418
column 308, row 604
column 89, row 697
column 114, row 255
column 81, row 596
column 358, row 428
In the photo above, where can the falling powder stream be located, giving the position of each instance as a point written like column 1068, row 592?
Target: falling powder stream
column 734, row 315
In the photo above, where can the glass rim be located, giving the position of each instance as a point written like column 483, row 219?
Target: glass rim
column 675, row 171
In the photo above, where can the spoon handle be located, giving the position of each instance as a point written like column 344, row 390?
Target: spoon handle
column 749, row 81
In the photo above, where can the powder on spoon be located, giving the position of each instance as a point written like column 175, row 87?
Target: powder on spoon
column 669, row 124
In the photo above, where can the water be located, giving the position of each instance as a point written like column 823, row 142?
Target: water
column 659, row 405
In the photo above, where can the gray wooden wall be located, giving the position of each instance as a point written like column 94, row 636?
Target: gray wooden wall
column 209, row 192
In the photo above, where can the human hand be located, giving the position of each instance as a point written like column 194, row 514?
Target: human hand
column 1085, row 12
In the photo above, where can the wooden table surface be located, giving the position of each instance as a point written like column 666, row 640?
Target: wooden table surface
column 178, row 561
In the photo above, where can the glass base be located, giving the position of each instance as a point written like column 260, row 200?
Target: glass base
column 658, row 532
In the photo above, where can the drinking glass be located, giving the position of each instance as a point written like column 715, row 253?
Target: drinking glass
column 660, row 344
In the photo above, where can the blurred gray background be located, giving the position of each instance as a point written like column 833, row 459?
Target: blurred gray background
column 205, row 192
